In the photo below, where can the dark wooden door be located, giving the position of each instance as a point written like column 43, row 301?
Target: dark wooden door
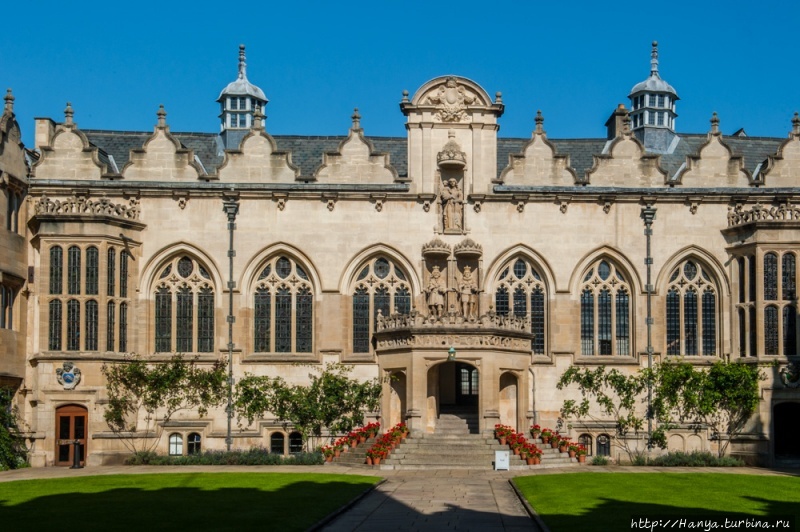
column 70, row 426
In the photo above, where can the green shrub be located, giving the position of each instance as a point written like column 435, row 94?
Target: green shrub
column 252, row 456
column 694, row 459
column 13, row 453
column 599, row 460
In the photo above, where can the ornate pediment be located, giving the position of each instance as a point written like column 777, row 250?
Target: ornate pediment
column 451, row 100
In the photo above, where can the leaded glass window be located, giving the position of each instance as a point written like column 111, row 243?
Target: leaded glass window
column 771, row 330
column 73, row 325
column 691, row 312
column 751, row 265
column 123, row 327
column 123, row 273
column 194, row 443
column 184, row 306
column 74, row 270
column 770, row 277
column 742, row 277
column 605, row 311
column 110, row 326
column 175, row 445
column 91, row 325
column 752, row 332
column 92, row 270
column 381, row 286
column 54, row 335
column 742, row 333
column 520, row 290
column 789, row 282
column 111, row 271
column 789, row 330
column 283, row 308
column 56, row 269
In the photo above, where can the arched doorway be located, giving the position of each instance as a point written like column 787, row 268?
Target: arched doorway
column 786, row 430
column 71, row 424
column 397, row 398
column 508, row 400
column 453, row 391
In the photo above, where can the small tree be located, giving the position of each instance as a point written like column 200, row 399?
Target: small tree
column 618, row 396
column 155, row 392
column 722, row 398
column 332, row 400
column 13, row 453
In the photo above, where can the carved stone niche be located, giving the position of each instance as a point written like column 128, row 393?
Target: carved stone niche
column 467, row 280
column 435, row 255
column 450, row 200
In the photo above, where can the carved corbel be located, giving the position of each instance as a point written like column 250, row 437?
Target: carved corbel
column 693, row 202
column 606, row 201
column 478, row 200
column 379, row 200
column 563, row 203
column 280, row 199
column 182, row 197
column 520, row 201
column 331, row 200
column 426, row 200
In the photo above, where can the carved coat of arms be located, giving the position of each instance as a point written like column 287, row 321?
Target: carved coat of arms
column 451, row 100
column 790, row 375
column 68, row 375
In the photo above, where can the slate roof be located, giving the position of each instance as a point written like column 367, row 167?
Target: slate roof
column 307, row 151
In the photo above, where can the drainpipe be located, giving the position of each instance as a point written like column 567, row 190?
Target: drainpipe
column 230, row 205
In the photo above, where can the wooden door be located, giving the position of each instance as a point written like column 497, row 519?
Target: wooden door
column 71, row 424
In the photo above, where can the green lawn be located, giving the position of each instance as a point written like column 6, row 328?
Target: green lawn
column 183, row 501
column 608, row 501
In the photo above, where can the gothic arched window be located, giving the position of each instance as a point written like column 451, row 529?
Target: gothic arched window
column 74, row 270
column 605, row 311
column 92, row 270
column 184, row 308
column 381, row 285
column 521, row 290
column 283, row 308
column 692, row 311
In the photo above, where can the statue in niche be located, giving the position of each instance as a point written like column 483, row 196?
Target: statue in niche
column 435, row 292
column 468, row 294
column 452, row 205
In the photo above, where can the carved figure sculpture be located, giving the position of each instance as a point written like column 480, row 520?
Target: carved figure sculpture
column 452, row 205
column 435, row 293
column 468, row 294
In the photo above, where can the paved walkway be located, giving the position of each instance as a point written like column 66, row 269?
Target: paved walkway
column 411, row 500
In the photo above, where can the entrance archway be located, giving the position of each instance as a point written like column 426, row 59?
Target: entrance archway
column 453, row 390
column 508, row 400
column 785, row 418
column 71, row 424
column 397, row 398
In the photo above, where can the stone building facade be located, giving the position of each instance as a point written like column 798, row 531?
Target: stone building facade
column 525, row 256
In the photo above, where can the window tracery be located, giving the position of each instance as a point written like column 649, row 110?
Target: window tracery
column 520, row 287
column 283, row 308
column 184, row 291
column 381, row 285
column 605, row 311
column 692, row 311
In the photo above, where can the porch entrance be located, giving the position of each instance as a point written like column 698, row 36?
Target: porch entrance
column 71, row 421
column 785, row 418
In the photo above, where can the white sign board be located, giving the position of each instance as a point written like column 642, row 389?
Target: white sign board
column 501, row 459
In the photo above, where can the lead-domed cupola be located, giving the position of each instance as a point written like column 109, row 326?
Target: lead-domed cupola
column 239, row 99
column 653, row 109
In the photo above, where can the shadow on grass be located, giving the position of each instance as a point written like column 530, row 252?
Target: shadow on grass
column 294, row 507
column 612, row 515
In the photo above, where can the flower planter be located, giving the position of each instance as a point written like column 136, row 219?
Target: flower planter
column 537, row 460
column 502, row 440
column 376, row 461
column 516, row 451
column 336, row 453
column 546, row 439
column 530, row 460
column 572, row 454
column 362, row 439
column 369, row 460
column 553, row 444
column 329, row 458
column 582, row 459
column 562, row 448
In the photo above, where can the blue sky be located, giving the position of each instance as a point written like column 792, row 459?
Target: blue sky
column 317, row 60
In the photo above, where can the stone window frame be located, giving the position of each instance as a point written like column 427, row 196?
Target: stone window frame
column 703, row 282
column 93, row 335
column 368, row 282
column 753, row 309
column 199, row 284
column 296, row 280
column 533, row 279
column 592, row 285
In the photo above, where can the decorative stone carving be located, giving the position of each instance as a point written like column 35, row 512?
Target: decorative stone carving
column 68, row 376
column 452, row 200
column 83, row 205
column 451, row 101
column 434, row 293
column 468, row 248
column 790, row 375
column 468, row 294
column 435, row 248
column 451, row 155
column 738, row 215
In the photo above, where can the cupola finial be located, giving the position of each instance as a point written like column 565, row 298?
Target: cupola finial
column 242, row 63
column 539, row 122
column 68, row 112
column 356, row 119
column 654, row 60
column 258, row 118
column 162, row 116
column 9, row 98
column 795, row 124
